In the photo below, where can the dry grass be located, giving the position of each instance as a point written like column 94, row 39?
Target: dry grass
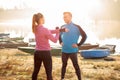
column 17, row 65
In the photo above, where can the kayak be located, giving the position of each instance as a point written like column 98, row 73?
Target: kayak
column 95, row 53
column 55, row 51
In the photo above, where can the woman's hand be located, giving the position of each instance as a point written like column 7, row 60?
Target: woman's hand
column 57, row 30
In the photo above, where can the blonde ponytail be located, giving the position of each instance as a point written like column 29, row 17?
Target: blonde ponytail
column 35, row 21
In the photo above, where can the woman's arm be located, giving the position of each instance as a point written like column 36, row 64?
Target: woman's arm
column 51, row 37
column 53, row 31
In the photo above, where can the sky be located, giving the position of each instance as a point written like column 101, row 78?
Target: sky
column 82, row 10
column 83, row 7
column 10, row 4
column 53, row 9
column 79, row 8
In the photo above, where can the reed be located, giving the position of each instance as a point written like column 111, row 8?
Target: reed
column 17, row 65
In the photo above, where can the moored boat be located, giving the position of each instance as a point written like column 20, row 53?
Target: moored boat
column 95, row 53
column 55, row 51
column 7, row 42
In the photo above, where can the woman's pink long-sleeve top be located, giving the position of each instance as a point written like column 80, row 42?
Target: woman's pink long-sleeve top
column 42, row 37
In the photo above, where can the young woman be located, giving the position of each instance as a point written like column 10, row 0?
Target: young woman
column 42, row 50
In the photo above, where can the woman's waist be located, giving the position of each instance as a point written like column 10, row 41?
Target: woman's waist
column 43, row 47
column 42, row 50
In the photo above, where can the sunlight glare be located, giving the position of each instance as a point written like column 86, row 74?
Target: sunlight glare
column 81, row 10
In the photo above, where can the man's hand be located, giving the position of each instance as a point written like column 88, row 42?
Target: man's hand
column 66, row 30
column 75, row 46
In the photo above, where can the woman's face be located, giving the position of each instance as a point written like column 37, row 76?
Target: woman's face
column 41, row 20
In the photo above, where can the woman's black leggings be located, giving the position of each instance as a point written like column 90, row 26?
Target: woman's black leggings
column 45, row 57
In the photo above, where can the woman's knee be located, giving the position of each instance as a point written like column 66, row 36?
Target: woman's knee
column 64, row 64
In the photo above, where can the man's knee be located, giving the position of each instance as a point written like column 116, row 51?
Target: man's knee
column 76, row 65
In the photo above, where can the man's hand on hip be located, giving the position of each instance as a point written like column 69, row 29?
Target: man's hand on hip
column 75, row 46
column 61, row 43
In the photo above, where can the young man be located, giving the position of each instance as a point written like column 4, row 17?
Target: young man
column 69, row 40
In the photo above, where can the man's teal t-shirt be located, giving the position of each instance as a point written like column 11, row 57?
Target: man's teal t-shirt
column 69, row 38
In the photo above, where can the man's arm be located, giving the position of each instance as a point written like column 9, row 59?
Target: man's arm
column 83, row 34
column 60, row 35
column 60, row 39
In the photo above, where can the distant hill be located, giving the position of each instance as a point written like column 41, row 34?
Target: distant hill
column 15, row 13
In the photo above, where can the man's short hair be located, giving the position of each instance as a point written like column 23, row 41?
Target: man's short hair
column 68, row 13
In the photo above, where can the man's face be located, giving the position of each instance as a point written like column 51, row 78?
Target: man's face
column 67, row 18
